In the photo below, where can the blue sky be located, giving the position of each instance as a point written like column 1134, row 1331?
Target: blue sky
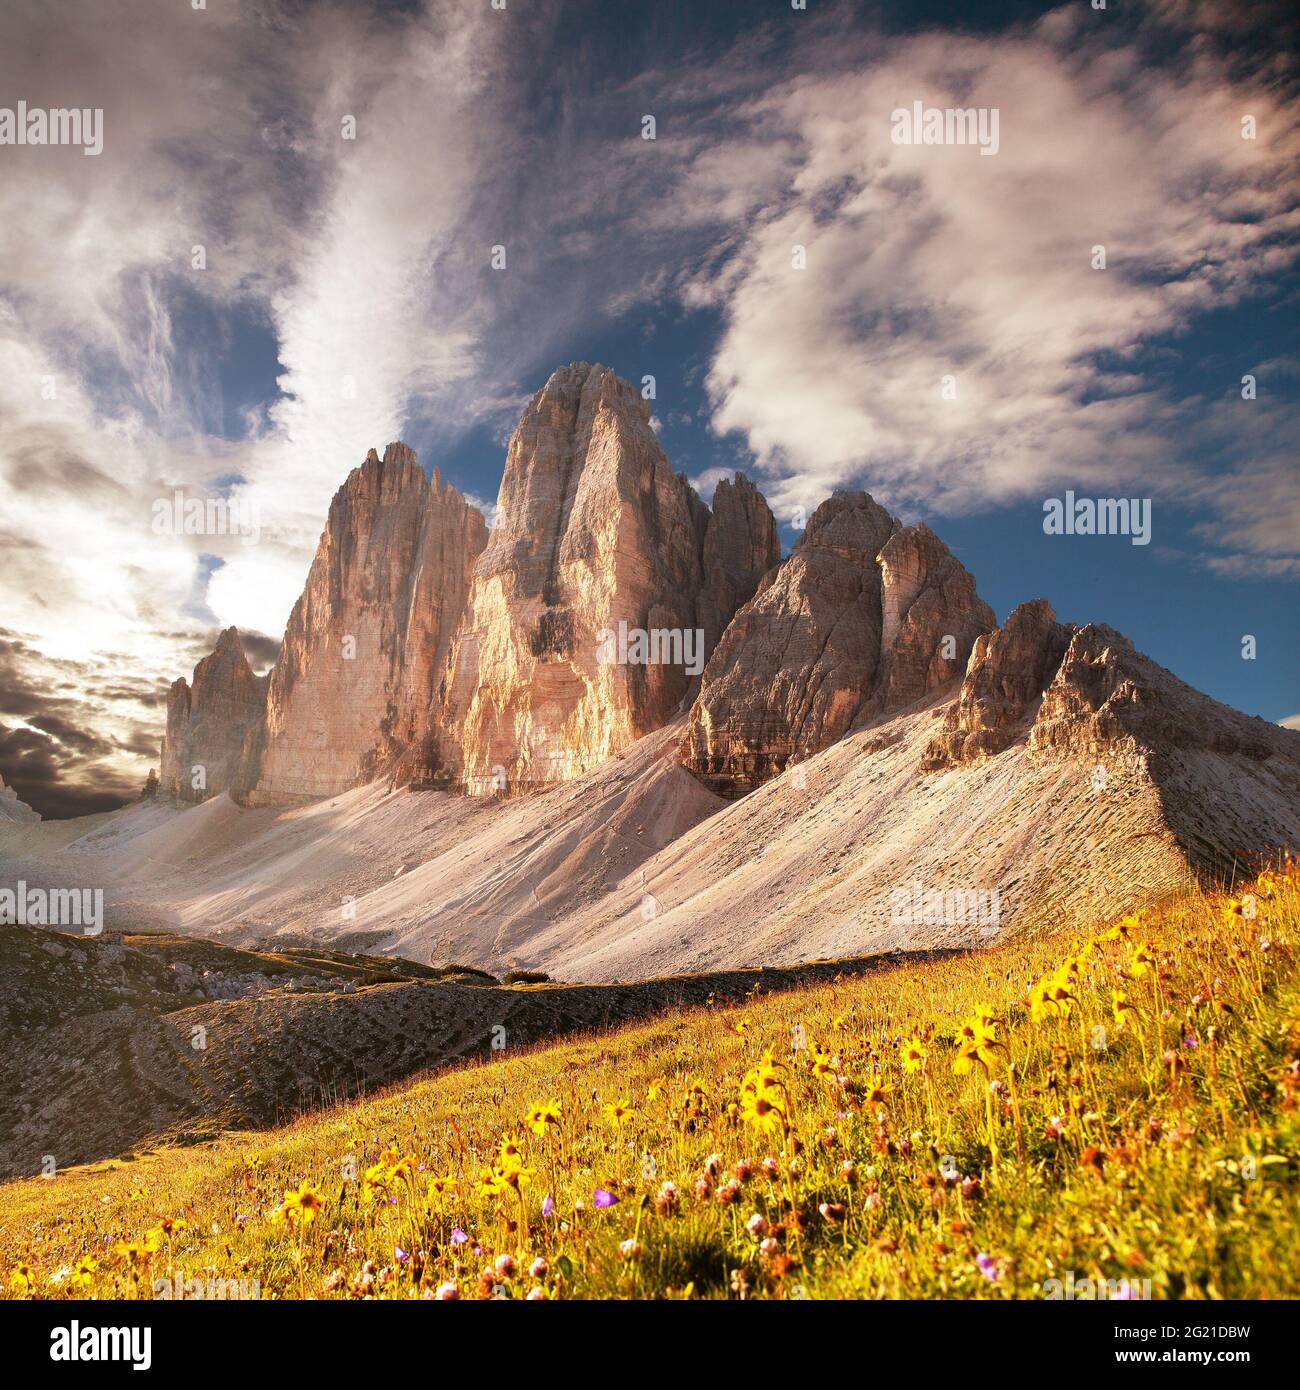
column 347, row 298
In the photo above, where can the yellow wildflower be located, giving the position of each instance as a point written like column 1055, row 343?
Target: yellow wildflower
column 510, row 1149
column 543, row 1115
column 977, row 1040
column 822, row 1064
column 440, row 1190
column 302, row 1204
column 488, row 1184
column 914, row 1055
column 373, row 1180
column 619, row 1113
column 877, row 1095
column 1141, row 961
column 762, row 1110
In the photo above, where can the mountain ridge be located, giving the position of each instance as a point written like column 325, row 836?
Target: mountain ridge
column 861, row 734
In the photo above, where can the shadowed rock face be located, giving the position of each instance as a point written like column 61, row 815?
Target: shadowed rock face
column 1005, row 679
column 740, row 546
column 212, row 725
column 863, row 618
column 1084, row 693
column 360, row 660
column 594, row 529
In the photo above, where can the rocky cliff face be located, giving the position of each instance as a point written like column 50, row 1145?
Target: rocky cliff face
column 1105, row 696
column 864, row 617
column 610, row 600
column 1005, row 679
column 421, row 650
column 1085, row 693
column 358, row 667
column 740, row 546
column 598, row 546
column 930, row 618
column 212, row 724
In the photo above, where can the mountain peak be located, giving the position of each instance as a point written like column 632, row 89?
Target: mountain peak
column 610, row 602
column 863, row 617
column 594, row 530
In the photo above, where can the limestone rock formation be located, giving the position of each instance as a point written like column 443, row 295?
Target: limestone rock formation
column 740, row 546
column 930, row 617
column 597, row 540
column 359, row 664
column 1106, row 696
column 420, row 650
column 864, row 617
column 13, row 811
column 210, row 722
column 1008, row 672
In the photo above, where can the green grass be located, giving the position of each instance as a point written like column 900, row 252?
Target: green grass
column 1164, row 1152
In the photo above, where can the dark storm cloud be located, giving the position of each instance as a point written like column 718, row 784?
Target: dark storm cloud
column 65, row 757
column 79, row 740
column 262, row 651
column 53, row 781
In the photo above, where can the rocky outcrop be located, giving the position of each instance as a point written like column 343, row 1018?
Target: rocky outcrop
column 740, row 546
column 1085, row 693
column 1083, row 705
column 172, row 756
column 930, row 617
column 1005, row 679
column 599, row 546
column 789, row 674
column 863, row 618
column 13, row 811
column 359, row 664
column 211, row 724
column 1107, row 697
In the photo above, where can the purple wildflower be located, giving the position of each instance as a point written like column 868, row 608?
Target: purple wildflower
column 602, row 1198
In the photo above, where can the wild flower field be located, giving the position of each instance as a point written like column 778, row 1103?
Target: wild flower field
column 1112, row 1116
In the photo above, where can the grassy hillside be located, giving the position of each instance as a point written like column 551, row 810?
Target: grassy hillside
column 1119, row 1108
column 278, row 1033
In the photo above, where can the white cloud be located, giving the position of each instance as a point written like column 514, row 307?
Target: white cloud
column 928, row 262
column 233, row 143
